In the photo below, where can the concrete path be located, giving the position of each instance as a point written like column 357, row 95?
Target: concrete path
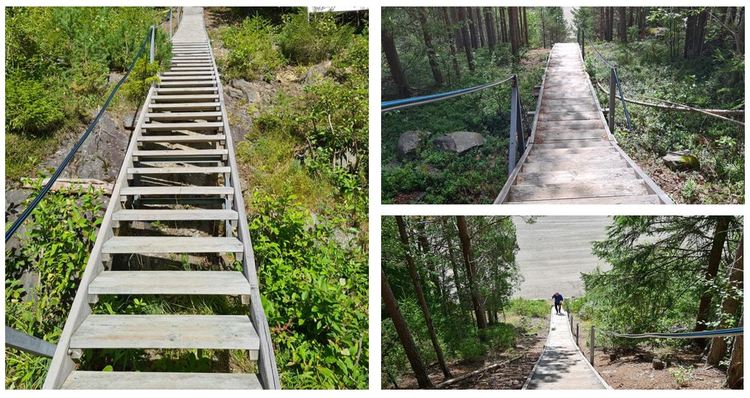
column 562, row 366
column 191, row 27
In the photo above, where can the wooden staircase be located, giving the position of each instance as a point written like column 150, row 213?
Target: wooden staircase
column 572, row 157
column 177, row 197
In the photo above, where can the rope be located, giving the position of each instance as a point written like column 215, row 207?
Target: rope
column 34, row 203
column 393, row 105
column 688, row 335
column 617, row 84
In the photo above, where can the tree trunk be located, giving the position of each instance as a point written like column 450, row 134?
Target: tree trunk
column 394, row 64
column 391, row 307
column 623, row 27
column 463, row 234
column 411, row 266
column 480, row 26
column 431, row 54
column 525, row 26
column 454, row 267
column 610, row 22
column 729, row 307
column 544, row 30
column 504, row 37
column 602, row 22
column 466, row 37
column 490, row 24
column 456, row 36
column 472, row 26
column 513, row 30
column 714, row 260
column 734, row 372
column 695, row 34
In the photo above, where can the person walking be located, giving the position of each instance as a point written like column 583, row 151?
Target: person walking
column 558, row 298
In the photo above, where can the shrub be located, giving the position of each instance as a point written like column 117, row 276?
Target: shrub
column 532, row 308
column 252, row 52
column 31, row 106
column 305, row 42
column 135, row 89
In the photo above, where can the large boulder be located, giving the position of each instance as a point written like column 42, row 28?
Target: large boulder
column 681, row 160
column 459, row 141
column 408, row 143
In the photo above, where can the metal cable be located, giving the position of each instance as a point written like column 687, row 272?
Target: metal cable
column 34, row 203
column 738, row 331
column 393, row 105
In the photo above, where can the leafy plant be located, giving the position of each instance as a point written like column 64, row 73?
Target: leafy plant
column 252, row 51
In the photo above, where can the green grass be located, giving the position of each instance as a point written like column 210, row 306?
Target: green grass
column 531, row 308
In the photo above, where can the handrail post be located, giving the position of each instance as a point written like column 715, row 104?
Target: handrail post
column 151, row 48
column 591, row 346
column 578, row 344
column 612, row 88
column 513, row 148
column 171, row 30
column 583, row 44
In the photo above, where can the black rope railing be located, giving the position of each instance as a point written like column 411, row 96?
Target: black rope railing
column 47, row 187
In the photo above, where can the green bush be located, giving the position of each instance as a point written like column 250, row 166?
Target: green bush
column 532, row 308
column 252, row 51
column 310, row 38
column 315, row 294
column 139, row 81
column 55, row 246
column 500, row 337
column 31, row 107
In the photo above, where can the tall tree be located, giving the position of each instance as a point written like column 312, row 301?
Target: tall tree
column 404, row 335
column 729, row 307
column 411, row 266
column 466, row 37
column 734, row 371
column 480, row 26
column 394, row 63
column 504, row 37
column 456, row 35
column 622, row 29
column 489, row 22
column 472, row 25
column 476, row 299
column 427, row 36
column 712, row 269
column 513, row 30
column 524, row 27
column 695, row 33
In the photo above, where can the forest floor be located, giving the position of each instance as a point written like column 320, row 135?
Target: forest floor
column 529, row 343
column 630, row 370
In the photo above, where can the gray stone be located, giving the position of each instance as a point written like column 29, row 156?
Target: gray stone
column 317, row 72
column 658, row 364
column 250, row 91
column 681, row 160
column 459, row 141
column 128, row 121
column 408, row 143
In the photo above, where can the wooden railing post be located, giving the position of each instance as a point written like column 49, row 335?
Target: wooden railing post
column 514, row 111
column 612, row 88
column 583, row 44
column 591, row 346
column 577, row 334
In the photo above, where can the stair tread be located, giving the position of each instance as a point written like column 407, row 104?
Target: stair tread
column 611, row 200
column 177, row 190
column 579, row 165
column 183, row 115
column 167, row 90
column 228, row 283
column 172, row 215
column 182, row 125
column 185, row 105
column 92, row 380
column 560, row 177
column 171, row 244
column 182, row 138
column 229, row 332
column 584, row 189
column 179, row 170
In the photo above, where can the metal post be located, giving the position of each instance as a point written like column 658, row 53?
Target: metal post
column 612, row 88
column 513, row 149
column 591, row 347
column 571, row 321
column 170, row 23
column 583, row 44
column 151, row 48
column 577, row 334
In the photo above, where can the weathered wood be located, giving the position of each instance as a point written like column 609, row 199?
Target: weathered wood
column 173, row 215
column 183, row 138
column 185, row 98
column 183, row 126
column 178, row 170
column 171, row 244
column 90, row 380
column 473, row 373
column 221, row 332
column 177, row 190
column 195, row 106
column 229, row 283
column 74, row 184
column 569, row 176
column 576, row 190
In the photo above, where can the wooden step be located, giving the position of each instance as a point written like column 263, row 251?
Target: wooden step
column 176, row 191
column 178, row 170
column 521, row 193
column 171, row 244
column 578, row 165
column 581, row 143
column 186, row 98
column 609, row 200
column 199, row 73
column 90, row 380
column 173, row 215
column 187, row 83
column 220, row 332
column 183, row 126
column 566, row 108
column 543, row 136
column 184, row 78
column 183, row 116
column 186, row 90
column 183, row 138
column 586, row 152
column 177, row 283
column 608, row 156
column 560, row 116
column 564, row 177
column 191, row 69
column 549, row 125
column 178, row 154
column 194, row 106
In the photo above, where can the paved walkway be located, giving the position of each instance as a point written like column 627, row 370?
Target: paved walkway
column 191, row 27
column 562, row 366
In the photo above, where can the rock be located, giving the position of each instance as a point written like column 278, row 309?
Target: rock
column 317, row 72
column 248, row 89
column 233, row 92
column 658, row 364
column 30, row 281
column 459, row 141
column 128, row 121
column 681, row 160
column 408, row 143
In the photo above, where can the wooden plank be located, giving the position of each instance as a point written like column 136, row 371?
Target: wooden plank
column 178, row 170
column 564, row 158
column 579, row 164
column 579, row 143
column 569, row 115
column 186, row 83
column 521, row 193
column 176, row 190
column 221, row 332
column 185, row 98
column 173, row 215
column 604, row 176
column 194, row 106
column 89, row 380
column 547, row 136
column 608, row 200
column 198, row 73
column 183, row 138
column 225, row 283
column 183, row 116
column 182, row 126
column 171, row 244
column 180, row 153
column 594, row 124
column 587, row 152
column 186, row 90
